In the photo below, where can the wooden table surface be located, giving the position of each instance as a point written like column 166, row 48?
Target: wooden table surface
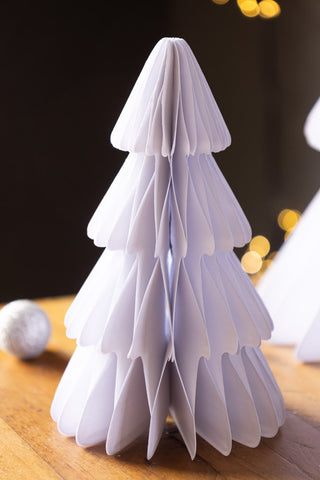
column 32, row 449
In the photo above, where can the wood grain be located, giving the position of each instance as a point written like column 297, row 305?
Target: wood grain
column 32, row 448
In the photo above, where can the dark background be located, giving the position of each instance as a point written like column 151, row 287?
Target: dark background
column 66, row 71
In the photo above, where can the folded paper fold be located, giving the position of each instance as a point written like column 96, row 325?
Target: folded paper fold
column 167, row 322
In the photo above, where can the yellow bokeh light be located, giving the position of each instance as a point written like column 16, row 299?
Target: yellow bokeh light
column 281, row 216
column 251, row 262
column 287, row 219
column 269, row 9
column 249, row 8
column 260, row 244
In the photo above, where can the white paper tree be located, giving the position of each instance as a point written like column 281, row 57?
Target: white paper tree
column 312, row 126
column 167, row 321
column 290, row 286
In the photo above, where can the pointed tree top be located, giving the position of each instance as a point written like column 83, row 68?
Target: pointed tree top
column 171, row 107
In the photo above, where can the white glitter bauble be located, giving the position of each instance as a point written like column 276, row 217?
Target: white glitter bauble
column 24, row 329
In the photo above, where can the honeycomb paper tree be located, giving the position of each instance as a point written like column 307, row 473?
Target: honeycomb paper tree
column 167, row 322
column 290, row 287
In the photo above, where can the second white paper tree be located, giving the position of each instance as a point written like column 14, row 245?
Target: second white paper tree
column 167, row 322
column 290, row 286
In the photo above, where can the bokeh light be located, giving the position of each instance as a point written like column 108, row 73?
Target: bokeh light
column 281, row 216
column 251, row 262
column 260, row 244
column 249, row 8
column 287, row 219
column 258, row 257
column 269, row 9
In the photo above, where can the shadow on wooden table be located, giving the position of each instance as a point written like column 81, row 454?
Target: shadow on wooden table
column 50, row 360
column 273, row 458
column 170, row 455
